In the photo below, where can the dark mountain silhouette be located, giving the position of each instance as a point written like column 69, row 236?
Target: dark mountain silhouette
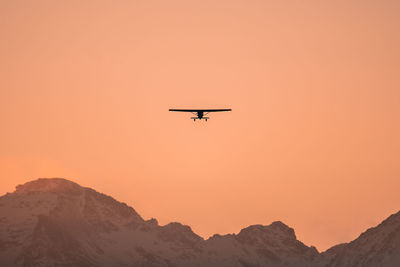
column 55, row 222
column 378, row 246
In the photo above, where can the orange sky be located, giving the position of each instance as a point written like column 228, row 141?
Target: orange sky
column 313, row 138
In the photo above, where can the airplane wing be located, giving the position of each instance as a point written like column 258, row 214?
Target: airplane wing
column 200, row 110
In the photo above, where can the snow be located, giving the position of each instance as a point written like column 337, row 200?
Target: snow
column 49, row 222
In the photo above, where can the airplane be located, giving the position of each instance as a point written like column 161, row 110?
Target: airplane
column 200, row 112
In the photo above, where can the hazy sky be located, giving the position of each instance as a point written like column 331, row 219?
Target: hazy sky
column 313, row 138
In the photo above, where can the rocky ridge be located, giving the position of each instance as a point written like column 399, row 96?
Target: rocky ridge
column 56, row 222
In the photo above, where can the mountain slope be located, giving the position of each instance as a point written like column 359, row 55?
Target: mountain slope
column 378, row 246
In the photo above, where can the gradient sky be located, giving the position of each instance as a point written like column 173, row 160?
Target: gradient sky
column 313, row 138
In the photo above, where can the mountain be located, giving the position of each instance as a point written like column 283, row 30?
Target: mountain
column 56, row 222
column 378, row 246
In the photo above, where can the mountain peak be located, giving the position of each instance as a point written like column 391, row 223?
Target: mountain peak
column 283, row 228
column 57, row 185
column 277, row 228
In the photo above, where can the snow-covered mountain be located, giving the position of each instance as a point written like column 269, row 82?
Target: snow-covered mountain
column 376, row 247
column 55, row 222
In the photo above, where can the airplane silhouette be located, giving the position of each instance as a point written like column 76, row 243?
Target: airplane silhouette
column 200, row 112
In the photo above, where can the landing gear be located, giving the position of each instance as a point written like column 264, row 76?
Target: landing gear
column 197, row 118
